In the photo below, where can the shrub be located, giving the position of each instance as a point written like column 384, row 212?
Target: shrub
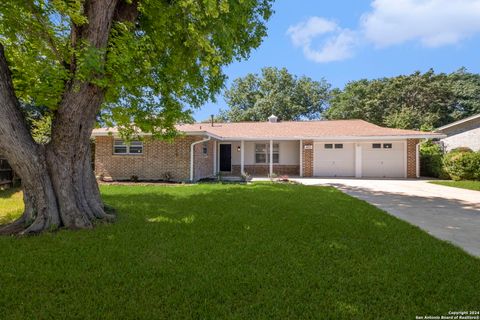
column 246, row 177
column 431, row 160
column 461, row 149
column 462, row 164
column 167, row 176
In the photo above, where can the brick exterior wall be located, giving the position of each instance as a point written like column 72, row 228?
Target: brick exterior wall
column 412, row 157
column 203, row 164
column 307, row 159
column 264, row 170
column 158, row 159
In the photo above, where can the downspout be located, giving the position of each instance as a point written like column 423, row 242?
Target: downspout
column 192, row 147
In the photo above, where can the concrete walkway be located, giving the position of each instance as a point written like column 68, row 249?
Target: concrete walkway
column 450, row 214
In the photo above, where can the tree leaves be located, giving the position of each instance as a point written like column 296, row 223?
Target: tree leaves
column 154, row 69
column 419, row 100
column 276, row 91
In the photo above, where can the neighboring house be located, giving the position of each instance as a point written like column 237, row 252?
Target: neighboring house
column 462, row 133
column 338, row 148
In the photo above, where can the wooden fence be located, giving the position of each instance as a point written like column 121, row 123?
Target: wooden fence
column 7, row 175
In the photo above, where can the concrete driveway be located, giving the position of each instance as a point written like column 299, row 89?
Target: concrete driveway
column 450, row 214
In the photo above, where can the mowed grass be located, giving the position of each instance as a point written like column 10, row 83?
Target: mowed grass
column 471, row 185
column 262, row 251
column 11, row 204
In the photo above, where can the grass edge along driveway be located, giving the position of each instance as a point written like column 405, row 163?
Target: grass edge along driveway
column 465, row 184
column 236, row 252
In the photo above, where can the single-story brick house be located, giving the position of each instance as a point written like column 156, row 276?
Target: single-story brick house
column 462, row 133
column 338, row 148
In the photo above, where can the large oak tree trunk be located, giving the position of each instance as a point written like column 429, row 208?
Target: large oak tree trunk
column 59, row 186
column 60, row 189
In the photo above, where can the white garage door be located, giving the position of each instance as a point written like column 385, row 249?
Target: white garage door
column 334, row 159
column 384, row 160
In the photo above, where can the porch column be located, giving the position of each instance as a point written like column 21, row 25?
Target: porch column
column 301, row 158
column 214, row 157
column 271, row 157
column 242, row 157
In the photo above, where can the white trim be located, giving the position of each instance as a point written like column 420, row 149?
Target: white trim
column 358, row 160
column 337, row 138
column 405, row 158
column 192, row 147
column 242, row 157
column 271, row 156
column 314, row 138
column 301, row 158
column 458, row 122
column 214, row 157
column 127, row 146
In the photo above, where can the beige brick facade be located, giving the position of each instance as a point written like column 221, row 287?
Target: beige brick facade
column 412, row 158
column 203, row 163
column 263, row 170
column 159, row 159
column 307, row 158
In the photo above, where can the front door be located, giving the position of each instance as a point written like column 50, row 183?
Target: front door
column 225, row 157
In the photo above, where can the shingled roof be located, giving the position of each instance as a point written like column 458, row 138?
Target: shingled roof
column 289, row 130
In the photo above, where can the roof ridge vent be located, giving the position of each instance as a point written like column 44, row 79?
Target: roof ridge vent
column 273, row 119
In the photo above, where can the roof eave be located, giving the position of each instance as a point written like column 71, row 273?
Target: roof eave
column 456, row 123
column 356, row 138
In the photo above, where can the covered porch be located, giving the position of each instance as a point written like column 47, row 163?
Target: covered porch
column 258, row 158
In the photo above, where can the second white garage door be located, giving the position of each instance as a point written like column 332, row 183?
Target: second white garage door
column 380, row 159
column 334, row 159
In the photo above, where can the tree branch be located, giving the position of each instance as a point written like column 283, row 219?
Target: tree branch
column 15, row 139
column 47, row 37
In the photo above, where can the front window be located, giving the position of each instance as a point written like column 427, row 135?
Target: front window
column 122, row 147
column 205, row 149
column 262, row 153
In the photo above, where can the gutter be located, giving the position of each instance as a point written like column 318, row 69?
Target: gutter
column 192, row 147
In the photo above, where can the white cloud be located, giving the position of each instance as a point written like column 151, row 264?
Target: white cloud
column 432, row 22
column 337, row 46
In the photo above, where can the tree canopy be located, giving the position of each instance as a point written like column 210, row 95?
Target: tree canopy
column 137, row 63
column 162, row 58
column 275, row 91
column 419, row 100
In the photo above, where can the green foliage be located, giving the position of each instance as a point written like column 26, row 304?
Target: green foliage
column 462, row 164
column 39, row 122
column 153, row 71
column 414, row 101
column 276, row 91
column 280, row 251
column 431, row 160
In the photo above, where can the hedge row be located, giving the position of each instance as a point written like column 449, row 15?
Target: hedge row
column 458, row 164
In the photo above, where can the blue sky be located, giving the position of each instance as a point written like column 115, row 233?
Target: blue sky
column 346, row 40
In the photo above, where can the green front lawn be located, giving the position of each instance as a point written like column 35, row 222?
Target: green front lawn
column 472, row 185
column 214, row 251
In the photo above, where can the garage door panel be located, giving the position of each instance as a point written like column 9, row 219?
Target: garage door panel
column 334, row 162
column 383, row 162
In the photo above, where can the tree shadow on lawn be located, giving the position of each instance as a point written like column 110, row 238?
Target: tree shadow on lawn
column 334, row 250
column 237, row 251
column 8, row 193
column 452, row 220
